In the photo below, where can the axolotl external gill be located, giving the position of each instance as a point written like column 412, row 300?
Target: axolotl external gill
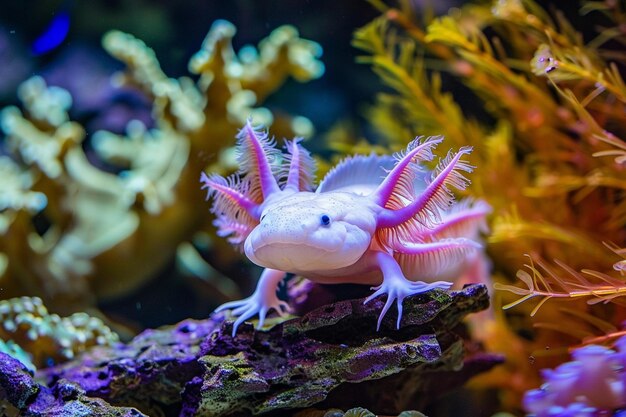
column 383, row 221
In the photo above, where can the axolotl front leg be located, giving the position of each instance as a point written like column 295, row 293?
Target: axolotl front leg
column 396, row 285
column 260, row 302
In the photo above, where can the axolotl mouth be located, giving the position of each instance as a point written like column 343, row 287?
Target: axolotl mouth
column 290, row 257
column 313, row 234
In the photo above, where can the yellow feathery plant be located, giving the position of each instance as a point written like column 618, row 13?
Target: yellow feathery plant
column 545, row 283
column 418, row 98
column 548, row 144
column 549, row 126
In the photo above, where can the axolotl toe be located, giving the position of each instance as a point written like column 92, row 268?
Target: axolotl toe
column 378, row 220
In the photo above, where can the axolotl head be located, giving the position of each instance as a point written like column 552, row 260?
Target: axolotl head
column 307, row 232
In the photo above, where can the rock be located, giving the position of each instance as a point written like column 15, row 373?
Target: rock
column 21, row 395
column 332, row 356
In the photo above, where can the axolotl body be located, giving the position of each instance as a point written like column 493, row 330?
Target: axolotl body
column 376, row 220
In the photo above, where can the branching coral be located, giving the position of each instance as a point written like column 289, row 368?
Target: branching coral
column 103, row 232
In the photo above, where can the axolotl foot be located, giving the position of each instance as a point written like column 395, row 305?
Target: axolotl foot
column 398, row 290
column 261, row 302
column 396, row 286
column 250, row 307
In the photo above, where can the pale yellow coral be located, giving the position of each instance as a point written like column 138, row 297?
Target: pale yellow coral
column 169, row 96
column 45, row 104
column 16, row 190
column 155, row 160
column 106, row 233
column 36, row 146
column 250, row 76
column 47, row 337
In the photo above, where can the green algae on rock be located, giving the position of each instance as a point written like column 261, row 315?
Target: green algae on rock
column 198, row 369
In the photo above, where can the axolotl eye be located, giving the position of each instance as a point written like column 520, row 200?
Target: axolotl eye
column 324, row 220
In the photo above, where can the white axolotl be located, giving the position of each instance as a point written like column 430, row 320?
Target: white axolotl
column 375, row 220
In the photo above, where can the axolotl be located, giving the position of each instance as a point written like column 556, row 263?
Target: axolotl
column 384, row 221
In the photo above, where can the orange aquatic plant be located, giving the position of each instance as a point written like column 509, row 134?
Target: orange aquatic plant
column 544, row 106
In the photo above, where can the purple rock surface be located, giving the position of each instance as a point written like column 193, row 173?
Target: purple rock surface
column 332, row 356
column 21, row 395
column 16, row 383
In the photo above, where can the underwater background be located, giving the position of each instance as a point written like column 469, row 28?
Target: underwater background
column 111, row 266
column 175, row 31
